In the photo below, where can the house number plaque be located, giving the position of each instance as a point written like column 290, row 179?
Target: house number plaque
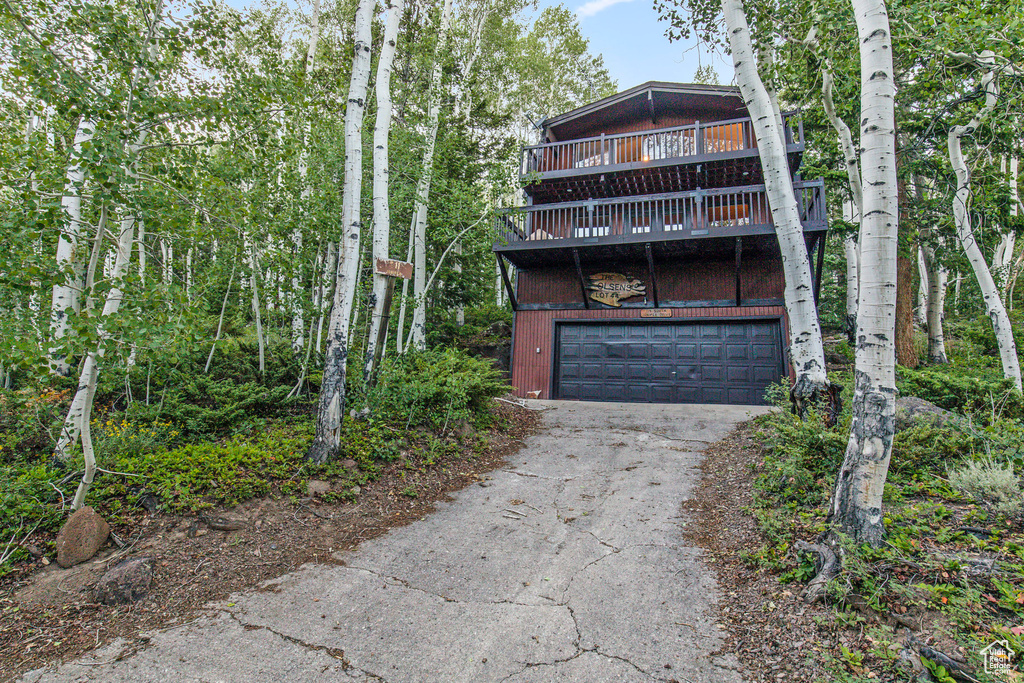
column 655, row 313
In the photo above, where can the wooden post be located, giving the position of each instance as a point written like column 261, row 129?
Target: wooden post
column 579, row 274
column 650, row 272
column 508, row 284
column 739, row 263
column 391, row 270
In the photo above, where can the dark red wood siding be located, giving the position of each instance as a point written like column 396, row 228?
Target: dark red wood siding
column 532, row 350
column 714, row 279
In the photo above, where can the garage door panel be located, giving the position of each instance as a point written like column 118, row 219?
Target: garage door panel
column 680, row 362
column 686, row 351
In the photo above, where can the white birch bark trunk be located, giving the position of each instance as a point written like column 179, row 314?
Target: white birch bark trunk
column 422, row 201
column 91, row 368
column 67, row 292
column 965, row 233
column 935, row 305
column 256, row 307
column 1002, row 260
column 331, row 405
column 77, row 412
column 326, row 292
column 856, row 507
column 400, row 328
column 381, row 176
column 295, row 298
column 852, row 163
column 921, row 309
column 807, row 353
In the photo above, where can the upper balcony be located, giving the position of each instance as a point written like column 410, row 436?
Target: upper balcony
column 624, row 228
column 674, row 159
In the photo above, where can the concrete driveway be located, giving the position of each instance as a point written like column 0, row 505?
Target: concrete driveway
column 568, row 565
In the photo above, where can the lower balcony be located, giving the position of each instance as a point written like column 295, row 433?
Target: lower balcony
column 551, row 233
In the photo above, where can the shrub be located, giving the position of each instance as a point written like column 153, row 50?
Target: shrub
column 436, row 387
column 952, row 389
column 202, row 406
column 28, row 504
column 203, row 474
column 927, row 449
column 989, row 481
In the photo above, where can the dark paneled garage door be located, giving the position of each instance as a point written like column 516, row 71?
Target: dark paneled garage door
column 686, row 362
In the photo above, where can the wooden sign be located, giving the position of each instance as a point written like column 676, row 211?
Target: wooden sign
column 393, row 268
column 655, row 313
column 610, row 288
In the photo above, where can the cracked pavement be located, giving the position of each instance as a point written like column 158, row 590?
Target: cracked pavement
column 569, row 564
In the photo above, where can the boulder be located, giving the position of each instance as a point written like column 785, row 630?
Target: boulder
column 912, row 411
column 349, row 464
column 81, row 537
column 315, row 487
column 125, row 582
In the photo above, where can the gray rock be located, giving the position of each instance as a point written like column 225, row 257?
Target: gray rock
column 126, row 582
column 349, row 464
column 315, row 487
column 81, row 537
column 912, row 411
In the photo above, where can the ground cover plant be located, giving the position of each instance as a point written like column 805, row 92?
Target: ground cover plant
column 210, row 441
column 948, row 579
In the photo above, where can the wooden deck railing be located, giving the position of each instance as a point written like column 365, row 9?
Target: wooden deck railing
column 589, row 155
column 680, row 215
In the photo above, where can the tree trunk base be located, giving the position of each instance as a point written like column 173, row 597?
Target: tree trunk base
column 321, row 452
column 828, row 568
column 827, row 398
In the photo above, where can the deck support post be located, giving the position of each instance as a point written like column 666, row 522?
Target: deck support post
column 739, row 263
column 508, row 283
column 650, row 273
column 820, row 266
column 579, row 275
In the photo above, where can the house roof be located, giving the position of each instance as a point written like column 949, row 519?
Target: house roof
column 647, row 100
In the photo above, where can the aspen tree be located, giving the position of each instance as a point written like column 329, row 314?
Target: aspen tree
column 990, row 292
column 331, row 404
column 417, row 333
column 806, row 350
column 381, row 202
column 856, row 507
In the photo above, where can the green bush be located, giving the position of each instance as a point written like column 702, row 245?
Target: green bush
column 436, row 387
column 202, row 406
column 204, row 474
column 927, row 449
column 954, row 389
column 27, row 504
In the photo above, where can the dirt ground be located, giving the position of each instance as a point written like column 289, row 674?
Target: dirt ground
column 48, row 614
column 775, row 635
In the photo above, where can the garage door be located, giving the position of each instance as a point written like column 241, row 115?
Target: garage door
column 688, row 362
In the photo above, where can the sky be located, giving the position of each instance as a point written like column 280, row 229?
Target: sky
column 633, row 42
column 629, row 36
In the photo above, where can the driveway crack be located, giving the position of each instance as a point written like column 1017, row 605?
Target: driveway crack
column 333, row 652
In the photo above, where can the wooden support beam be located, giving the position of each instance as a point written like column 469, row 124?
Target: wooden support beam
column 650, row 271
column 739, row 263
column 579, row 274
column 508, row 283
column 821, row 255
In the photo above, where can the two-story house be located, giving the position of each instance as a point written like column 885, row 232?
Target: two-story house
column 646, row 263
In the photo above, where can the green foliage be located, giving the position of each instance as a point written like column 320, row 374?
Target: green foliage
column 206, row 474
column 434, row 388
column 962, row 391
column 203, row 406
column 27, row 503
